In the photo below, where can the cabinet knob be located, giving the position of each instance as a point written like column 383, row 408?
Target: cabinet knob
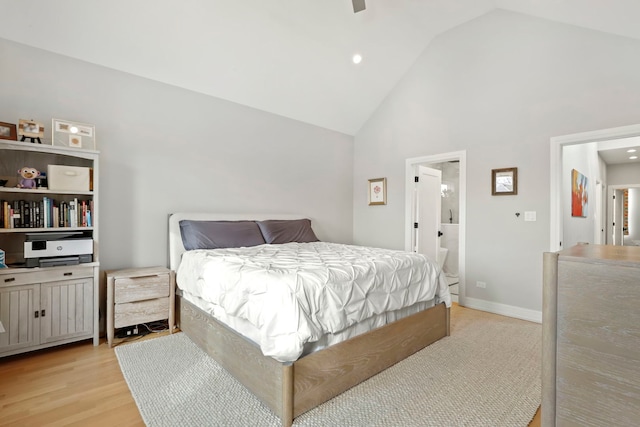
column 68, row 274
column 10, row 279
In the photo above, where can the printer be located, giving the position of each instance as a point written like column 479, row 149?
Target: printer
column 58, row 248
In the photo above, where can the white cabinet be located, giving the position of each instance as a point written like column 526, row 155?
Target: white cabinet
column 43, row 306
column 60, row 309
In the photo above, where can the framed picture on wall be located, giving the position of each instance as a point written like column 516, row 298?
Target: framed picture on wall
column 8, row 131
column 65, row 133
column 377, row 191
column 504, row 182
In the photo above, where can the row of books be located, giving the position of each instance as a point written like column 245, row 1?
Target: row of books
column 46, row 213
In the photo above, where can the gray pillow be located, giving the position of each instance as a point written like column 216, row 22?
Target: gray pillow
column 287, row 230
column 219, row 234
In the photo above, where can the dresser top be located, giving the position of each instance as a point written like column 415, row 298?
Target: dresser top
column 137, row 272
column 605, row 253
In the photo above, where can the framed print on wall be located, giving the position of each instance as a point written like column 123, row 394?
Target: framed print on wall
column 504, row 182
column 65, row 133
column 377, row 191
column 579, row 194
column 8, row 131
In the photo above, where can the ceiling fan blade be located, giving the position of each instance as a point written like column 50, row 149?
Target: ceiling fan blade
column 358, row 6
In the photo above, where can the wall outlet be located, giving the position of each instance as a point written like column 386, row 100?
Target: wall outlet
column 128, row 331
column 480, row 284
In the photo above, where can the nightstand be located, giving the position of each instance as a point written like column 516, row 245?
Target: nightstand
column 139, row 295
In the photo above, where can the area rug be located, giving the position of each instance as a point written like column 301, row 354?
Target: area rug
column 487, row 373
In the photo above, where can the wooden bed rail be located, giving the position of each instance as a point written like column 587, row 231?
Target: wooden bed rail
column 291, row 389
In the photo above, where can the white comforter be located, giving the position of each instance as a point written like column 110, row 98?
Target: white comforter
column 296, row 292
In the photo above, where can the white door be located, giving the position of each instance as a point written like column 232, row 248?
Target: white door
column 599, row 222
column 428, row 202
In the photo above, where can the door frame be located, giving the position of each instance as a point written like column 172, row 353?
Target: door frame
column 410, row 172
column 600, row 226
column 557, row 143
column 611, row 190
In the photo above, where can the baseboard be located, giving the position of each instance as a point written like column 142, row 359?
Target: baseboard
column 503, row 309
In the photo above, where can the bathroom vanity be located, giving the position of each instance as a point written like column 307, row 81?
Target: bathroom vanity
column 591, row 336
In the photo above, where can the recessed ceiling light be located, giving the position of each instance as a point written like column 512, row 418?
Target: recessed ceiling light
column 631, row 150
column 357, row 58
column 633, row 157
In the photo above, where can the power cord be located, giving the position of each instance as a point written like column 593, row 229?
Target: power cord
column 157, row 327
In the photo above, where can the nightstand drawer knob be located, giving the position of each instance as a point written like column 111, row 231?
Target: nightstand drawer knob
column 10, row 279
column 68, row 274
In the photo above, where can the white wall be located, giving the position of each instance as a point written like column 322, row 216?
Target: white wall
column 499, row 87
column 165, row 149
column 623, row 174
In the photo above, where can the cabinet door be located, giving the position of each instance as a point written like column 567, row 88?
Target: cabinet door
column 66, row 310
column 18, row 311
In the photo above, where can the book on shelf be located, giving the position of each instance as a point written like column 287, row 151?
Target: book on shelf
column 46, row 213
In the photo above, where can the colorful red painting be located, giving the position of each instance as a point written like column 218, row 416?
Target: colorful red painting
column 579, row 194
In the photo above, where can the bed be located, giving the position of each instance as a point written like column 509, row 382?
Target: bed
column 310, row 369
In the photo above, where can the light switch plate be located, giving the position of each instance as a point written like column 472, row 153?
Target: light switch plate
column 530, row 216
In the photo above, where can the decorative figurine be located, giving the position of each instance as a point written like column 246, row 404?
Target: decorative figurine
column 29, row 176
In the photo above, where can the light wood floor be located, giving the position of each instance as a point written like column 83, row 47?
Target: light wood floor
column 72, row 385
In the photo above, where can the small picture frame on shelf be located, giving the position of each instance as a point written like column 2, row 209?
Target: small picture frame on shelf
column 8, row 131
column 65, row 133
column 29, row 129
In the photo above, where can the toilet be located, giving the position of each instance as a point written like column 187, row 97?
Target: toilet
column 442, row 257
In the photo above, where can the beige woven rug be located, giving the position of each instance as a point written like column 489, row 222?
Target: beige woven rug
column 487, row 373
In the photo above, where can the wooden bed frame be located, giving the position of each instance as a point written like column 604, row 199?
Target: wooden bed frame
column 291, row 389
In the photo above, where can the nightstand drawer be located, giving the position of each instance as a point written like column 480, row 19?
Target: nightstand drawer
column 128, row 289
column 134, row 313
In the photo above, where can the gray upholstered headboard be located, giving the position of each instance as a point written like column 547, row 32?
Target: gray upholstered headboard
column 176, row 248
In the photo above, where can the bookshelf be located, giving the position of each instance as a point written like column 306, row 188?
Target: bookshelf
column 45, row 306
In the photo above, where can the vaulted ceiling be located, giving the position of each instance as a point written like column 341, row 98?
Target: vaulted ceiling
column 289, row 57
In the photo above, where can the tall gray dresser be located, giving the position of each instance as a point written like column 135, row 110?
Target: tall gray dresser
column 591, row 336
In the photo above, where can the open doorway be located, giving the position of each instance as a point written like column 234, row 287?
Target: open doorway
column 624, row 211
column 453, row 213
column 619, row 137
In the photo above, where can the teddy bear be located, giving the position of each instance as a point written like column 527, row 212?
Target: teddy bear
column 29, row 176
